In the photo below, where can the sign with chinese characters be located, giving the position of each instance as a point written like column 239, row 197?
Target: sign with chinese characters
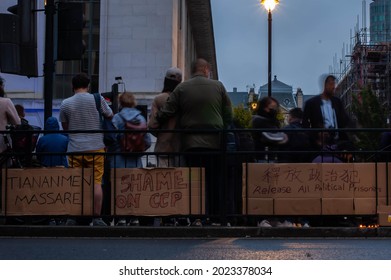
column 314, row 188
column 312, row 180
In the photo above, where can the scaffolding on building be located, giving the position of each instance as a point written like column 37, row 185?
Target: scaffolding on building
column 369, row 67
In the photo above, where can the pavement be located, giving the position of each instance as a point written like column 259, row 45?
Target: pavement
column 191, row 232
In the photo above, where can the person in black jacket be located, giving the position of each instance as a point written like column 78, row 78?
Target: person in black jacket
column 264, row 120
column 326, row 111
column 298, row 141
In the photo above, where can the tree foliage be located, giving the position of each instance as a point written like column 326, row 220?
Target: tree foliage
column 370, row 114
column 242, row 117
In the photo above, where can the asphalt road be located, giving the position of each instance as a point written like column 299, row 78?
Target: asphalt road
column 193, row 249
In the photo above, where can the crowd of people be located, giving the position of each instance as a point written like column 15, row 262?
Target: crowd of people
column 200, row 109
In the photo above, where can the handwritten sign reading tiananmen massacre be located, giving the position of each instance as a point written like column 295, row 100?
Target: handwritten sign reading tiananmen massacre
column 47, row 191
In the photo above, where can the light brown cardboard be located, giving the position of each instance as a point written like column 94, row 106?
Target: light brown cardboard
column 335, row 180
column 364, row 206
column 384, row 215
column 48, row 191
column 337, row 206
column 281, row 180
column 381, row 169
column 326, row 180
column 158, row 191
column 258, row 206
column 363, row 180
column 297, row 206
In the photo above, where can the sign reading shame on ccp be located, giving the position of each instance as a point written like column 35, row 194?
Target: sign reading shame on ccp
column 158, row 191
column 47, row 191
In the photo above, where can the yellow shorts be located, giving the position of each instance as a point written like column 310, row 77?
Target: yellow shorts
column 96, row 162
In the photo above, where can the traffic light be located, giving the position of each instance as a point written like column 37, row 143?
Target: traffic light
column 9, row 44
column 18, row 39
column 70, row 31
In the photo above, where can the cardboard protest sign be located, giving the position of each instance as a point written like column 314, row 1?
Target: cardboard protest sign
column 282, row 180
column 383, row 172
column 47, row 191
column 158, row 191
column 297, row 206
column 333, row 187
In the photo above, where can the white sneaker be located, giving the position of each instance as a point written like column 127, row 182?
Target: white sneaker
column 306, row 225
column 264, row 223
column 134, row 222
column 121, row 222
column 98, row 222
column 197, row 223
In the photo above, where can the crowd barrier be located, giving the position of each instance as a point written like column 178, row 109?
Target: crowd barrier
column 248, row 187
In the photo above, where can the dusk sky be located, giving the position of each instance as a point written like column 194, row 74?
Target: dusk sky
column 307, row 34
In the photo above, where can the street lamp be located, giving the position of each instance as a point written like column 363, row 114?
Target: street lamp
column 269, row 6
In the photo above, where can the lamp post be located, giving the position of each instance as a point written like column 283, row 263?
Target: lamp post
column 269, row 6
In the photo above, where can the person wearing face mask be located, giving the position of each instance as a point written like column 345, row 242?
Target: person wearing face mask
column 326, row 111
column 266, row 118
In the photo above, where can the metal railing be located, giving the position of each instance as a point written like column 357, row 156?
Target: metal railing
column 224, row 191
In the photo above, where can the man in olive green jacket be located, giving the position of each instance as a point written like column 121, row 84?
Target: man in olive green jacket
column 201, row 103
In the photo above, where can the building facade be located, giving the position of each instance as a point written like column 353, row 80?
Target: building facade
column 380, row 21
column 136, row 40
column 280, row 91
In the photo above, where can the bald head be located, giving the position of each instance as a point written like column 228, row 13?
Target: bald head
column 201, row 67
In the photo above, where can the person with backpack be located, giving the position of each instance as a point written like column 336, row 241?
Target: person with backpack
column 79, row 112
column 131, row 144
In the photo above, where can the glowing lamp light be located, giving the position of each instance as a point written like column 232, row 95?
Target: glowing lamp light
column 368, row 226
column 269, row 4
